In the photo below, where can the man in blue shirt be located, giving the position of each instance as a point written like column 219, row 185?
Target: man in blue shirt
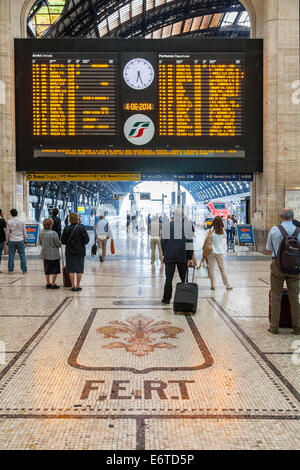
column 277, row 278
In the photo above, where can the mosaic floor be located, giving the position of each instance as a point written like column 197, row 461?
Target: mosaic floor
column 111, row 368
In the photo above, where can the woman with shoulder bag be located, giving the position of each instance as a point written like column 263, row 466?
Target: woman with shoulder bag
column 214, row 249
column 50, row 243
column 75, row 237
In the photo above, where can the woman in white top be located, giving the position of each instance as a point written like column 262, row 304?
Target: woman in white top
column 217, row 254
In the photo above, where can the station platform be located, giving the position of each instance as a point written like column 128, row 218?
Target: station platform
column 110, row 367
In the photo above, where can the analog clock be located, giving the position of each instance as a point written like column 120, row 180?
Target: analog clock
column 138, row 73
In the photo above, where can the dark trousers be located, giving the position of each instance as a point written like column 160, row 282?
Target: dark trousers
column 170, row 271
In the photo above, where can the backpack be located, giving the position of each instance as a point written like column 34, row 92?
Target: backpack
column 288, row 256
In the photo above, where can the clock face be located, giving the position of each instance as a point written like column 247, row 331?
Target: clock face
column 138, row 73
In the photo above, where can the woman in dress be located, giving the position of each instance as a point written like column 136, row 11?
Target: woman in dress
column 75, row 237
column 218, row 234
column 49, row 240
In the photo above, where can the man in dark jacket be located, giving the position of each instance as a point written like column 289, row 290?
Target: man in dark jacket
column 56, row 222
column 2, row 233
column 177, row 248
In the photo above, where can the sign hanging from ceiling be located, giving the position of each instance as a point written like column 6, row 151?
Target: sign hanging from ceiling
column 139, row 105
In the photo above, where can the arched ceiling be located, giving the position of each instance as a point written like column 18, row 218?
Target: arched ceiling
column 148, row 19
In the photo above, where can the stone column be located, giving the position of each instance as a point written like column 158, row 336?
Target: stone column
column 13, row 187
column 281, row 115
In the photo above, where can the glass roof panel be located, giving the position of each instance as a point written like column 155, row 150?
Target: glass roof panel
column 113, row 20
column 157, row 34
column 229, row 18
column 159, row 2
column 244, row 19
column 167, row 31
column 103, row 28
column 196, row 23
column 187, row 25
column 216, row 20
column 125, row 13
column 150, row 4
column 206, row 21
column 46, row 16
column 176, row 28
column 136, row 7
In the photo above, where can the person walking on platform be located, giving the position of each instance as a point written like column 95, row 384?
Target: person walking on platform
column 177, row 248
column 16, row 239
column 230, row 229
column 49, row 240
column 155, row 227
column 275, row 238
column 2, row 234
column 102, row 231
column 75, row 237
column 218, row 236
column 56, row 222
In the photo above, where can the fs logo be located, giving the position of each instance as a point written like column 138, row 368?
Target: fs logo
column 139, row 129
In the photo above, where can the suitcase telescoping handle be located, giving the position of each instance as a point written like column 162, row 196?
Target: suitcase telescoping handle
column 187, row 274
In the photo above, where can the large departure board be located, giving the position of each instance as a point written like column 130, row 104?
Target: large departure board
column 201, row 96
column 142, row 105
column 75, row 95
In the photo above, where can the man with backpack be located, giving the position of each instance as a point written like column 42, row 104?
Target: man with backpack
column 284, row 243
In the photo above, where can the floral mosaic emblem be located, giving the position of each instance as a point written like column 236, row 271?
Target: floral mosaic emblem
column 139, row 330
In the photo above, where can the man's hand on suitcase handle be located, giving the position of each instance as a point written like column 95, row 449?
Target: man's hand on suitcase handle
column 190, row 264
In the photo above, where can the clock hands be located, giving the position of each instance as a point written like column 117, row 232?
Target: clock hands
column 138, row 77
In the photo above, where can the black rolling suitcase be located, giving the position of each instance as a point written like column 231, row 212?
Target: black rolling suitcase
column 186, row 296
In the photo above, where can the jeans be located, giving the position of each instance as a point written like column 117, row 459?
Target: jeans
column 170, row 271
column 1, row 249
column 20, row 247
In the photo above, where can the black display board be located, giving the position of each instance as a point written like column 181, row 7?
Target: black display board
column 139, row 105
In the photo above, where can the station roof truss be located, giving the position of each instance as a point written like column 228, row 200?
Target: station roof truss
column 146, row 19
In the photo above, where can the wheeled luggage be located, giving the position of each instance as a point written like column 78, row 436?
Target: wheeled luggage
column 186, row 296
column 66, row 277
column 285, row 312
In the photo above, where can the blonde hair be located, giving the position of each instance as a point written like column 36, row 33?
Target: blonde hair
column 73, row 218
column 47, row 224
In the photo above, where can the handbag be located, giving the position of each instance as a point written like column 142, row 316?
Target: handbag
column 94, row 249
column 112, row 247
column 202, row 271
column 207, row 247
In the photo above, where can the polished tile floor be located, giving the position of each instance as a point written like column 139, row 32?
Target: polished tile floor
column 111, row 368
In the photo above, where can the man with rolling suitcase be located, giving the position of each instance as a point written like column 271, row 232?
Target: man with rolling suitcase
column 284, row 243
column 177, row 248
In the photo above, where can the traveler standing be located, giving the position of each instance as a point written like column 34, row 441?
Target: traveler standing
column 275, row 238
column 75, row 237
column 16, row 239
column 177, row 248
column 217, row 254
column 49, row 240
column 2, row 234
column 155, row 232
column 56, row 222
column 230, row 233
column 102, row 232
